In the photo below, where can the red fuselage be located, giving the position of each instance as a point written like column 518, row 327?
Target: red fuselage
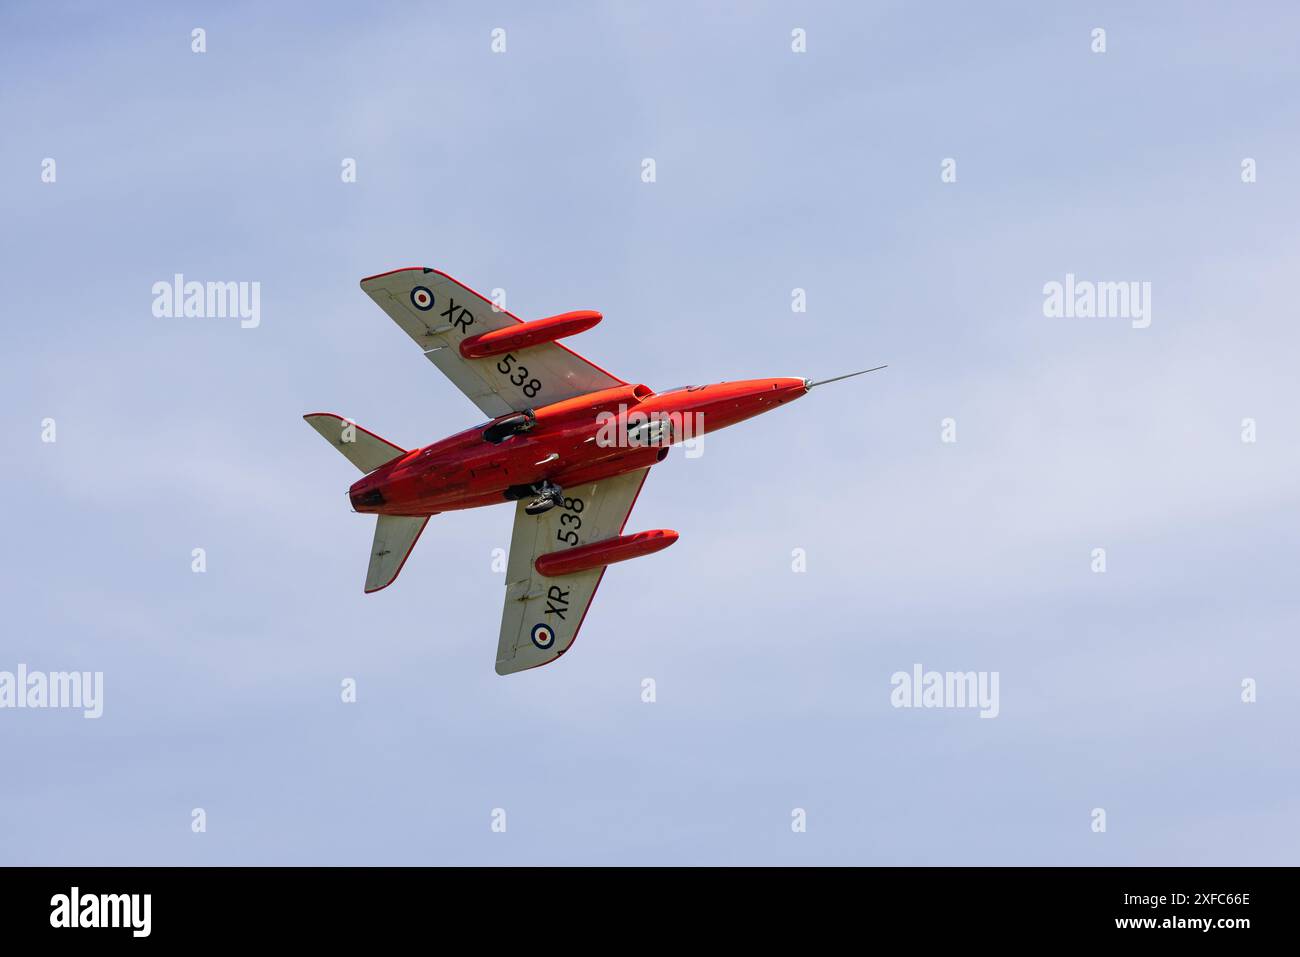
column 573, row 442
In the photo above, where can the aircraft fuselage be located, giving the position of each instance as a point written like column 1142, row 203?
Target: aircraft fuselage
column 573, row 442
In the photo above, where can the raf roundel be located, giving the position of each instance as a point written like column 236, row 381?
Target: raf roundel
column 543, row 636
column 422, row 298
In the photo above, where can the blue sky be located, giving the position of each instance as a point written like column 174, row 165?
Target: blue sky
column 775, row 170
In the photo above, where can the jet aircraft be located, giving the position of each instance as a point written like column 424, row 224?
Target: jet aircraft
column 568, row 442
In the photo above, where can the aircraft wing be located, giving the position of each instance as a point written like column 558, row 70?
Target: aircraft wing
column 542, row 615
column 438, row 312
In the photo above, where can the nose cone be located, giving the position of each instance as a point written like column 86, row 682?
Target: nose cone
column 771, row 392
column 791, row 388
column 727, row 403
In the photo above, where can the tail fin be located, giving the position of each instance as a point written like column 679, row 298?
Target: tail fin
column 363, row 449
column 395, row 536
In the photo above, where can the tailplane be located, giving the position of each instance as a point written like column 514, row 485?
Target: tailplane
column 395, row 536
column 363, row 449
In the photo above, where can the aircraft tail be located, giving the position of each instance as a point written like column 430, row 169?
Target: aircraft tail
column 395, row 536
column 363, row 449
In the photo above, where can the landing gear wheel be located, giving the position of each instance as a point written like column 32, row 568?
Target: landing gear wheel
column 548, row 496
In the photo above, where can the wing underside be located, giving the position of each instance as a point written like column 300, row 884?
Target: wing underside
column 437, row 312
column 542, row 615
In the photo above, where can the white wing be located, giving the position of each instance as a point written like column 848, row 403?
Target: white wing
column 438, row 312
column 542, row 615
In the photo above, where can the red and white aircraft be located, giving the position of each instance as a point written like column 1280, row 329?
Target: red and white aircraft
column 567, row 441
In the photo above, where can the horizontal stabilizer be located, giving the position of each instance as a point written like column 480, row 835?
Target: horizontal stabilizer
column 395, row 536
column 363, row 449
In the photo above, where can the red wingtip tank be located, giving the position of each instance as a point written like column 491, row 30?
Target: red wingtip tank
column 607, row 552
column 527, row 334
